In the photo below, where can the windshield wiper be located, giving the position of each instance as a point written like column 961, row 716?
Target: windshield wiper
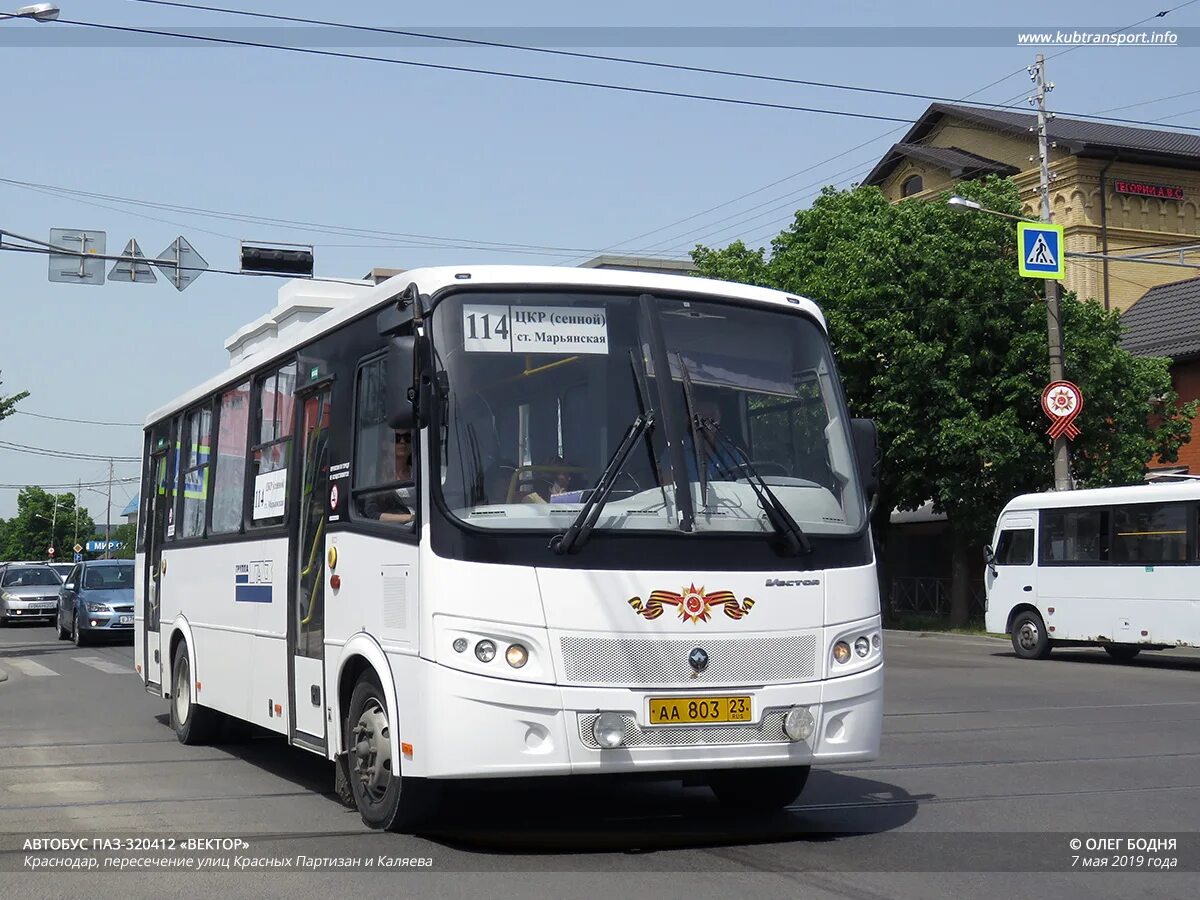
column 581, row 529
column 777, row 514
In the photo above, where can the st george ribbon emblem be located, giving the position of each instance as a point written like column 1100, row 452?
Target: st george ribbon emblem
column 693, row 604
column 1062, row 401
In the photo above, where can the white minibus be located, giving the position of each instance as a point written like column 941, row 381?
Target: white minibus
column 1111, row 567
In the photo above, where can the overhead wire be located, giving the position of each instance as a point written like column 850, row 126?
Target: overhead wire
column 379, row 29
column 25, row 412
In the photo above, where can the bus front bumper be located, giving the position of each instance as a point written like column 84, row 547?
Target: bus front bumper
column 493, row 728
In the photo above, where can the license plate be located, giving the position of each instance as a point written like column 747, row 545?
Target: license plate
column 126, row 620
column 699, row 710
column 46, row 605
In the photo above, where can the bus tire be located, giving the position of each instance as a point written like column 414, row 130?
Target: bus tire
column 1122, row 652
column 1030, row 639
column 384, row 798
column 193, row 723
column 759, row 790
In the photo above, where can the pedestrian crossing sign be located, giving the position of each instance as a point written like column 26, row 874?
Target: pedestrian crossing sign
column 1040, row 251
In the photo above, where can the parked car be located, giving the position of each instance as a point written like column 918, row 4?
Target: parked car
column 28, row 591
column 97, row 601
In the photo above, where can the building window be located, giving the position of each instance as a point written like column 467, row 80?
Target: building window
column 914, row 184
column 1150, row 533
column 230, row 478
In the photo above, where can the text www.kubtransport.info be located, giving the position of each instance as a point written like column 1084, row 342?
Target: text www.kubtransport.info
column 1078, row 37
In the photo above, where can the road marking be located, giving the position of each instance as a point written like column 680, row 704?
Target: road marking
column 31, row 668
column 104, row 665
column 54, row 787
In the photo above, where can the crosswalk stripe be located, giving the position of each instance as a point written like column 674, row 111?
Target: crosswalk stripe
column 31, row 668
column 104, row 665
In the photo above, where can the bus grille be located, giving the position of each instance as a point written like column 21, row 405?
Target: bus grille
column 634, row 662
column 767, row 731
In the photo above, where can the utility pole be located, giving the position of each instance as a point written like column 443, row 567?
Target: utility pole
column 78, row 500
column 1062, row 458
column 54, row 522
column 108, row 513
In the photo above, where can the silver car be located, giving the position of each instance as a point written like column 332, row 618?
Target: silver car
column 28, row 592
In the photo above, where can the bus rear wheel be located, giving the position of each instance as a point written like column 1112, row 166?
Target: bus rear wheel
column 384, row 798
column 1029, row 637
column 1122, row 652
column 193, row 723
column 759, row 790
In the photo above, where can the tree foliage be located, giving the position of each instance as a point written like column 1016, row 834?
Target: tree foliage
column 8, row 405
column 942, row 343
column 27, row 534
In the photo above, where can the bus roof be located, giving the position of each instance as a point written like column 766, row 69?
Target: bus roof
column 1158, row 492
column 431, row 280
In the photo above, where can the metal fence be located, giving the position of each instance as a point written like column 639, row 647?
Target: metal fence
column 917, row 595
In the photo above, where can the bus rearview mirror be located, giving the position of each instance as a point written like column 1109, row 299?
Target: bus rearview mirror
column 866, row 453
column 401, row 400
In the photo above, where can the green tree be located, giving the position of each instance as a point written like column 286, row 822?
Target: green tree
column 8, row 405
column 27, row 534
column 126, row 533
column 942, row 343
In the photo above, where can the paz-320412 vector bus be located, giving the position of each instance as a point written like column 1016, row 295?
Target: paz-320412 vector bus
column 514, row 521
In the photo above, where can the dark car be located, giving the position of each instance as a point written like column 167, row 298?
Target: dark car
column 97, row 601
column 28, row 591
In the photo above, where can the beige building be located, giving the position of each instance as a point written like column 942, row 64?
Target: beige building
column 1117, row 189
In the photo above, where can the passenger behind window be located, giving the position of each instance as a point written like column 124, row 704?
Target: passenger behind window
column 395, row 505
column 553, row 479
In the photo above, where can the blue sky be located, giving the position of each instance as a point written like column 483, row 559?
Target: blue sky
column 437, row 153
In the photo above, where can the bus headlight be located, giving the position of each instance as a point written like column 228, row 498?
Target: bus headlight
column 609, row 730
column 862, row 646
column 841, row 652
column 516, row 656
column 798, row 724
column 485, row 651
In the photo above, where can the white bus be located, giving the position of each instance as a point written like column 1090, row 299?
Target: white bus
column 523, row 521
column 1111, row 567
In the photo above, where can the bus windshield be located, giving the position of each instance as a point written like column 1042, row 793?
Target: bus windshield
column 537, row 390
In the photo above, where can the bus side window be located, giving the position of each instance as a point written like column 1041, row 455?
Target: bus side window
column 272, row 445
column 1015, row 547
column 384, row 462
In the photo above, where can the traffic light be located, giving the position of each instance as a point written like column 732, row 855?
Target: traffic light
column 280, row 259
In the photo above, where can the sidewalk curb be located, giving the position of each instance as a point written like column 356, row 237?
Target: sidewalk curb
column 967, row 638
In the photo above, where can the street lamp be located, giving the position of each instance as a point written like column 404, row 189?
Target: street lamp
column 54, row 509
column 39, row 12
column 965, row 205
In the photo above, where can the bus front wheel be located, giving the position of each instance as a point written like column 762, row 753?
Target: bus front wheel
column 384, row 799
column 1029, row 637
column 759, row 790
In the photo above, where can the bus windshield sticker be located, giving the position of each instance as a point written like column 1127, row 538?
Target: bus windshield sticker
column 490, row 328
column 270, row 488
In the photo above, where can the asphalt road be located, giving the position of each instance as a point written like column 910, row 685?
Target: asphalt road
column 990, row 765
